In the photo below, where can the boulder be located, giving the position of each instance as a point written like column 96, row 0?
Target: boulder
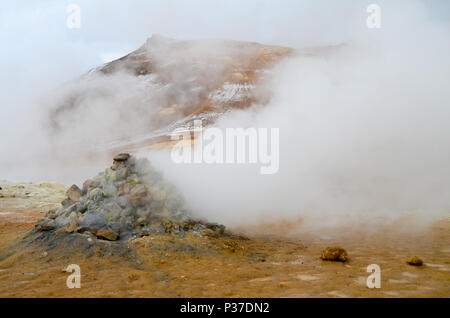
column 335, row 254
column 107, row 235
column 415, row 261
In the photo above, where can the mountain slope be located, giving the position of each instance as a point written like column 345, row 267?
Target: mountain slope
column 173, row 83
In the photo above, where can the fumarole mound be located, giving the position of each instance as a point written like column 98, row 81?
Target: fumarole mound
column 129, row 199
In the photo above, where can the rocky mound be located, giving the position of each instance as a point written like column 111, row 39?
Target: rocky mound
column 129, row 199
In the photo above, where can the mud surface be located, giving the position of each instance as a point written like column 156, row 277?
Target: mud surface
column 278, row 264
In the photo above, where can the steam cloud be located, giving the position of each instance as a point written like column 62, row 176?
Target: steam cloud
column 364, row 129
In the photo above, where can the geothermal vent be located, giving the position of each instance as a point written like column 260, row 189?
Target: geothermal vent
column 129, row 199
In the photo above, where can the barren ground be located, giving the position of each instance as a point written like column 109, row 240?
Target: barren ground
column 254, row 265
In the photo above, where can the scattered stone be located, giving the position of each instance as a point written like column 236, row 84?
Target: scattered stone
column 415, row 261
column 335, row 254
column 107, row 235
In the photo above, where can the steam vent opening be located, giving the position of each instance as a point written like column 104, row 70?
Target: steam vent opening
column 130, row 199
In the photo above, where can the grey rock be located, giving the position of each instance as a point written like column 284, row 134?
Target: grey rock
column 95, row 194
column 74, row 193
column 92, row 221
column 112, row 210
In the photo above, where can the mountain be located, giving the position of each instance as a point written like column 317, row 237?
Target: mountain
column 176, row 82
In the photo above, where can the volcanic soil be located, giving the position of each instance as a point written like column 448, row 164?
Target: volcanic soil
column 282, row 262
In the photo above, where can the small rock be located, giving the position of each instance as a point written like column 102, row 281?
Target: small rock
column 336, row 254
column 107, row 235
column 74, row 193
column 122, row 157
column 415, row 261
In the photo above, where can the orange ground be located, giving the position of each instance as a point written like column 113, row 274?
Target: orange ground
column 262, row 266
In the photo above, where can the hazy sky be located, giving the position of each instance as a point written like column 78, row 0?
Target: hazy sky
column 35, row 32
column 39, row 52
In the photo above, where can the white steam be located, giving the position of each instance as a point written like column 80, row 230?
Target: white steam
column 364, row 128
column 364, row 135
